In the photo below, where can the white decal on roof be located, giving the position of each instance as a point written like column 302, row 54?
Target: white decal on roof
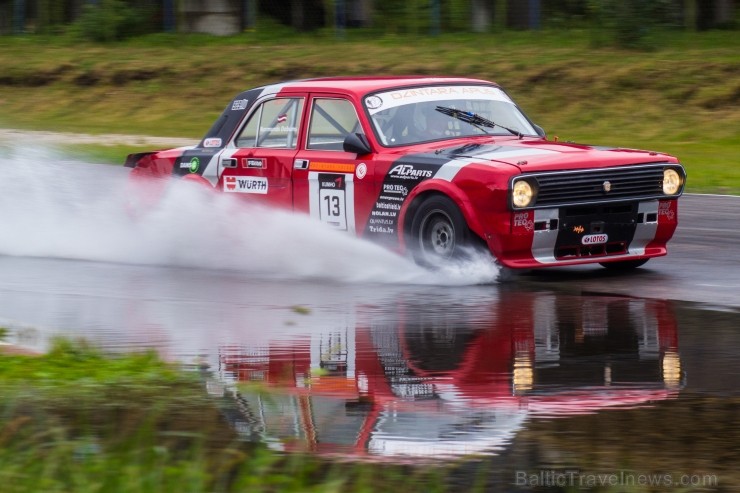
column 239, row 104
column 400, row 97
column 373, row 102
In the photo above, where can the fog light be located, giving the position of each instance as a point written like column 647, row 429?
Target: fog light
column 671, row 181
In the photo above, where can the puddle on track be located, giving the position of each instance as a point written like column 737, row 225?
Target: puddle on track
column 353, row 352
column 527, row 386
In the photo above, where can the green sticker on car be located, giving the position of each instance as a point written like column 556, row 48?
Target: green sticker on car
column 194, row 165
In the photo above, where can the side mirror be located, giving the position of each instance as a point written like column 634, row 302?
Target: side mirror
column 540, row 131
column 356, row 143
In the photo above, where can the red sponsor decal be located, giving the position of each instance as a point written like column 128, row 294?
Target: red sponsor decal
column 230, row 182
column 667, row 211
column 523, row 221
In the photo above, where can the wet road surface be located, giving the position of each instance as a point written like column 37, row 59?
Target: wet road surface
column 554, row 379
column 702, row 265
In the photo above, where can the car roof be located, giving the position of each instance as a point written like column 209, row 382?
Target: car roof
column 364, row 85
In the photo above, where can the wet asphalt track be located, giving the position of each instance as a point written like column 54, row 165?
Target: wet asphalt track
column 628, row 347
column 702, row 265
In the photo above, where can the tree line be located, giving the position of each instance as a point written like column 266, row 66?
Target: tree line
column 106, row 20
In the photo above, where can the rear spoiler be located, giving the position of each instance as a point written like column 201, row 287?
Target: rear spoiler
column 133, row 159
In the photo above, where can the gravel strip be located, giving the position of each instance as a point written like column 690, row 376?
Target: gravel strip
column 11, row 135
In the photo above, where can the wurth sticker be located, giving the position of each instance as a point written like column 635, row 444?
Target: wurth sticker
column 245, row 184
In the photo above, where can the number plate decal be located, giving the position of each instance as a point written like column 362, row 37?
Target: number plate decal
column 594, row 239
column 332, row 199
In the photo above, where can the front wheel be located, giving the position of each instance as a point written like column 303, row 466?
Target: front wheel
column 438, row 232
column 624, row 265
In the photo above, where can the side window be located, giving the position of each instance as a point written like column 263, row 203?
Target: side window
column 331, row 121
column 274, row 124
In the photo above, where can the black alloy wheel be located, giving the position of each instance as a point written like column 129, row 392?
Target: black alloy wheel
column 438, row 232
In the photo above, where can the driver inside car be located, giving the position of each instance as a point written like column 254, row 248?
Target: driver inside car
column 437, row 124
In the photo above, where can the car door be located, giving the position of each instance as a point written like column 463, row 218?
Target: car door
column 332, row 185
column 259, row 164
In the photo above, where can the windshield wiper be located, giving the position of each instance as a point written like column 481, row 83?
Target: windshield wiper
column 474, row 119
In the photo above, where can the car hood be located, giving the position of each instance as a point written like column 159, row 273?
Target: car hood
column 530, row 155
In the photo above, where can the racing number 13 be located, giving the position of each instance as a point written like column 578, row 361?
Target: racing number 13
column 332, row 200
column 332, row 205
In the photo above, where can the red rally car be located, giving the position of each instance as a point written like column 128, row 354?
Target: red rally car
column 436, row 167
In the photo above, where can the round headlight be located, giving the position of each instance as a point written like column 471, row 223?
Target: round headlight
column 671, row 181
column 522, row 194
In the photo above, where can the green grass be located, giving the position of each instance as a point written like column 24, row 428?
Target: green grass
column 681, row 97
column 103, row 154
column 75, row 419
column 78, row 420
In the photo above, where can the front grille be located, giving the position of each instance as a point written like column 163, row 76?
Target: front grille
column 625, row 183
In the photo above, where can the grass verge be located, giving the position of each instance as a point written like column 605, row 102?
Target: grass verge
column 75, row 419
column 683, row 97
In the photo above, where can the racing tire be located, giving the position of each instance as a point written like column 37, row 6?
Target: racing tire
column 624, row 265
column 439, row 232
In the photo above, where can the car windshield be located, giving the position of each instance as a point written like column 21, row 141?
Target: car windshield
column 411, row 115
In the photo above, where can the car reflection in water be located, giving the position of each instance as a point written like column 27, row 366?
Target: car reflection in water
column 436, row 384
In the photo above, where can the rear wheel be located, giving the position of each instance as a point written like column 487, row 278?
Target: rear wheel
column 438, row 232
column 624, row 265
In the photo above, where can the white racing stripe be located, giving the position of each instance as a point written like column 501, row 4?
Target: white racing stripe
column 645, row 232
column 449, row 170
column 543, row 243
